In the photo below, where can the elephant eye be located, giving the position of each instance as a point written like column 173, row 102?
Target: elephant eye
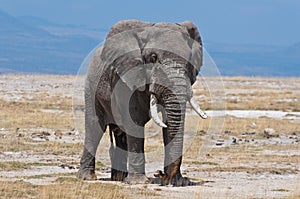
column 153, row 58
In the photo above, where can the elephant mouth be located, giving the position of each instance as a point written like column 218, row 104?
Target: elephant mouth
column 154, row 111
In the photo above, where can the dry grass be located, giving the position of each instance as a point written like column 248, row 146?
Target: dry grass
column 241, row 93
column 14, row 144
column 63, row 188
column 251, row 170
column 16, row 165
column 237, row 126
column 29, row 114
column 246, row 93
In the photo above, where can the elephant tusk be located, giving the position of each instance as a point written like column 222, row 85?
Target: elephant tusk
column 153, row 112
column 197, row 108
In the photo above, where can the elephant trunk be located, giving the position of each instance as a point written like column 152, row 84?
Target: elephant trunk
column 175, row 107
column 172, row 92
column 171, row 88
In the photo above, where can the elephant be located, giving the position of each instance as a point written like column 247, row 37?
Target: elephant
column 142, row 69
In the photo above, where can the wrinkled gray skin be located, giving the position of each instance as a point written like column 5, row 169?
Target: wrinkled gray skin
column 166, row 59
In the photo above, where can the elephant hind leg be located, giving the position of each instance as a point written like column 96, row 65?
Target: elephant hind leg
column 118, row 153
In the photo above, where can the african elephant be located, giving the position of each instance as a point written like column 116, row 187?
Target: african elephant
column 143, row 68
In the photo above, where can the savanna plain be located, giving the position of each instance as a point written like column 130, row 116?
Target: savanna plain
column 247, row 148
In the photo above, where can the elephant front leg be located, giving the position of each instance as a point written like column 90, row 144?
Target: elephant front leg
column 173, row 158
column 136, row 159
column 172, row 175
column 87, row 166
column 94, row 129
column 87, row 161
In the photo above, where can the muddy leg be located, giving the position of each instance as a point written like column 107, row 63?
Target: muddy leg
column 172, row 174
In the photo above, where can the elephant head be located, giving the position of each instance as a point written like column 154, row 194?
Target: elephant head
column 160, row 62
column 164, row 56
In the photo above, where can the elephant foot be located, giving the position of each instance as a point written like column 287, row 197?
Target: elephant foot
column 117, row 175
column 86, row 174
column 136, row 179
column 177, row 181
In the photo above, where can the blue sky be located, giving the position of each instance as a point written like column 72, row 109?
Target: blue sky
column 272, row 22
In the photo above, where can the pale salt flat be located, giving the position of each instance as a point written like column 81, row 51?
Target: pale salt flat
column 52, row 111
column 254, row 114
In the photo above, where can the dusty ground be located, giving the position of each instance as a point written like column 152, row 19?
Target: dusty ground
column 251, row 150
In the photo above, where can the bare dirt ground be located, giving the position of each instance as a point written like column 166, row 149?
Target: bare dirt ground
column 251, row 150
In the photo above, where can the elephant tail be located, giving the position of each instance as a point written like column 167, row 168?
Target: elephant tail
column 111, row 136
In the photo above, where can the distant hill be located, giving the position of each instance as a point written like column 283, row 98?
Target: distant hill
column 28, row 45
column 256, row 60
column 34, row 45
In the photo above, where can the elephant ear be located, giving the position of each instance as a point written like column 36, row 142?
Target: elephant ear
column 195, row 43
column 122, row 52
